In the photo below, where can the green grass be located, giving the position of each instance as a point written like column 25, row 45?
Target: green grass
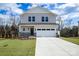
column 72, row 39
column 17, row 47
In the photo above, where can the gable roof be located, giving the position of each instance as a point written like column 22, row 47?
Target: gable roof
column 39, row 10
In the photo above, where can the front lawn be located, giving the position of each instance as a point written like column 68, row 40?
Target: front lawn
column 17, row 47
column 72, row 39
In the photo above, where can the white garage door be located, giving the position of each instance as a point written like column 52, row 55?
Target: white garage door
column 45, row 33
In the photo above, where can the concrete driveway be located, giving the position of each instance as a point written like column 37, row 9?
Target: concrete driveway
column 51, row 46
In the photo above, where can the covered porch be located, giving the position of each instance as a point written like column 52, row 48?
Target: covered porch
column 26, row 31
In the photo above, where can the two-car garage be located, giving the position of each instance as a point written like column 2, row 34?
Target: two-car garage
column 46, row 30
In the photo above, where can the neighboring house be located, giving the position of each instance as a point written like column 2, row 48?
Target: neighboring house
column 38, row 22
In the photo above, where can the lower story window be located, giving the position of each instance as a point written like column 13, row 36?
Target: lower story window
column 28, row 28
column 23, row 29
column 52, row 29
column 38, row 29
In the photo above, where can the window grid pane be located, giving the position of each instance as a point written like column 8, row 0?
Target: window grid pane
column 23, row 29
column 46, row 19
column 29, row 18
column 33, row 18
column 42, row 19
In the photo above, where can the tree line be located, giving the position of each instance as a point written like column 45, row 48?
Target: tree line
column 8, row 31
column 12, row 31
column 69, row 32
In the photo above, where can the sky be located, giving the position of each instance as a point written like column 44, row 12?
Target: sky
column 69, row 12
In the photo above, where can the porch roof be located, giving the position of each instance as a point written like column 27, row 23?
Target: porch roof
column 38, row 24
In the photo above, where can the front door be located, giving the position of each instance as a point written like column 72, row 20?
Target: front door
column 32, row 31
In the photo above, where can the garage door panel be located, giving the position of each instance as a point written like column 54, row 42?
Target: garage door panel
column 46, row 33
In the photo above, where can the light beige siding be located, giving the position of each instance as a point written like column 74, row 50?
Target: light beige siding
column 38, row 18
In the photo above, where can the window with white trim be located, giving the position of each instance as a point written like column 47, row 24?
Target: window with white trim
column 44, row 19
column 23, row 29
column 31, row 18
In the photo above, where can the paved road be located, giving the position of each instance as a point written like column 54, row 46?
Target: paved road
column 50, row 46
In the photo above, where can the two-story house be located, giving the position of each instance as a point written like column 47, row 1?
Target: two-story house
column 38, row 22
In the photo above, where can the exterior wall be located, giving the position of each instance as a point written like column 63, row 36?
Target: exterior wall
column 38, row 17
column 36, row 26
column 46, row 26
column 27, row 29
column 24, row 33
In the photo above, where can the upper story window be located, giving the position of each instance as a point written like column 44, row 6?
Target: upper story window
column 23, row 29
column 44, row 19
column 31, row 19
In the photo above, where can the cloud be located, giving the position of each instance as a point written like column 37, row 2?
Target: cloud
column 70, row 16
column 15, row 9
column 75, row 14
column 19, row 11
column 33, row 5
column 4, row 16
column 66, row 5
column 59, row 12
column 11, row 7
